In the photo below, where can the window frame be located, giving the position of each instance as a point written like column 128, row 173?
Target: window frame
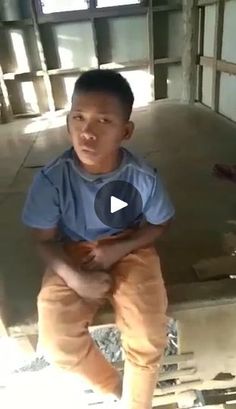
column 92, row 12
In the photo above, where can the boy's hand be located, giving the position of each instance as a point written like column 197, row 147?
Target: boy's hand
column 94, row 285
column 103, row 256
column 90, row 285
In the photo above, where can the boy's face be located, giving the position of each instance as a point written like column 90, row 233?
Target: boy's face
column 97, row 126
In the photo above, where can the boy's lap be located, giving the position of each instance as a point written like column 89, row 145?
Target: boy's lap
column 138, row 267
column 137, row 280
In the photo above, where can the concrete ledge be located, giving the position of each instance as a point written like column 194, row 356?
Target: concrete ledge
column 181, row 297
column 200, row 294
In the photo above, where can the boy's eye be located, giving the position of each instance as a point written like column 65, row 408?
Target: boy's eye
column 78, row 117
column 104, row 121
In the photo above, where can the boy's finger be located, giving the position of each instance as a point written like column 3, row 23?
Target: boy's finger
column 92, row 265
column 88, row 258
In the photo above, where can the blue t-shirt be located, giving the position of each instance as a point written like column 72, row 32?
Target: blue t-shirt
column 63, row 194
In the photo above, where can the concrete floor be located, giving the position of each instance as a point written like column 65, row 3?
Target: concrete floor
column 183, row 142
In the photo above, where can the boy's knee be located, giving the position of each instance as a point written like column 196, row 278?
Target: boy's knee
column 63, row 350
column 63, row 342
column 146, row 346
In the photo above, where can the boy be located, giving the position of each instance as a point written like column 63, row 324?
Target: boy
column 88, row 260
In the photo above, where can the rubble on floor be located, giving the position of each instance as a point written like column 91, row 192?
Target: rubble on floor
column 108, row 340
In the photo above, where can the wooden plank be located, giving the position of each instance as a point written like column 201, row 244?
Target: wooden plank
column 160, row 81
column 206, row 61
column 202, row 3
column 151, row 45
column 182, row 387
column 190, row 28
column 127, row 64
column 218, row 35
column 126, row 68
column 3, row 311
column 93, row 4
column 23, row 330
column 3, row 328
column 225, row 66
column 189, row 396
column 9, row 76
column 23, row 76
column 6, row 114
column 29, row 76
column 180, row 373
column 17, row 23
column 64, row 71
column 168, row 60
column 95, row 42
column 215, row 400
column 175, row 374
column 176, row 359
column 200, row 50
column 221, row 65
column 134, row 67
column 161, row 9
column 47, row 83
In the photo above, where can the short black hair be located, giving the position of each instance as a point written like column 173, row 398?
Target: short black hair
column 108, row 81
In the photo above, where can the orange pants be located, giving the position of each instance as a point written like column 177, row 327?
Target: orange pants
column 140, row 303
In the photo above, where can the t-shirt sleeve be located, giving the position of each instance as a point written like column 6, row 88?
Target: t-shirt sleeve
column 159, row 207
column 41, row 209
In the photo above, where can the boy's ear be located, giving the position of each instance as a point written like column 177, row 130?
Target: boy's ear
column 129, row 130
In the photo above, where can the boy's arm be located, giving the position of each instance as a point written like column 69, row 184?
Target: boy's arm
column 143, row 236
column 105, row 255
column 51, row 251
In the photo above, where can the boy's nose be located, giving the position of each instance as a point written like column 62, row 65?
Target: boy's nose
column 87, row 132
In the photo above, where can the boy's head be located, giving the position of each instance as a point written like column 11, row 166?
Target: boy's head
column 99, row 119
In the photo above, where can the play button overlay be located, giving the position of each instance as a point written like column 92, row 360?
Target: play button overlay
column 118, row 204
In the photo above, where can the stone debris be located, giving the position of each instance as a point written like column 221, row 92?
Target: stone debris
column 108, row 340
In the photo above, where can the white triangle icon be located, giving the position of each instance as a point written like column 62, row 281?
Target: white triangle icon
column 117, row 204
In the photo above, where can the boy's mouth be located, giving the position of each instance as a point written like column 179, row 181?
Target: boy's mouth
column 88, row 151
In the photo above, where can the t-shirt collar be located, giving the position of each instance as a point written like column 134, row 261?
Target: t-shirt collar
column 99, row 176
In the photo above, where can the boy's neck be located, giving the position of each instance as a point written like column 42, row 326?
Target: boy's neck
column 106, row 165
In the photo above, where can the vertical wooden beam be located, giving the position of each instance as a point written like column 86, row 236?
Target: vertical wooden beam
column 190, row 22
column 160, row 50
column 46, row 78
column 151, row 44
column 161, row 73
column 6, row 114
column 93, row 5
column 3, row 310
column 218, row 36
column 201, row 49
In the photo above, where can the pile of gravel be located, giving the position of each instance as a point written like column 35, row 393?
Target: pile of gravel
column 108, row 341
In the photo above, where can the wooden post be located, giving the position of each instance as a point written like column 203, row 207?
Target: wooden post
column 3, row 310
column 6, row 114
column 217, row 53
column 190, row 22
column 200, row 50
column 151, row 45
column 93, row 5
column 47, row 82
